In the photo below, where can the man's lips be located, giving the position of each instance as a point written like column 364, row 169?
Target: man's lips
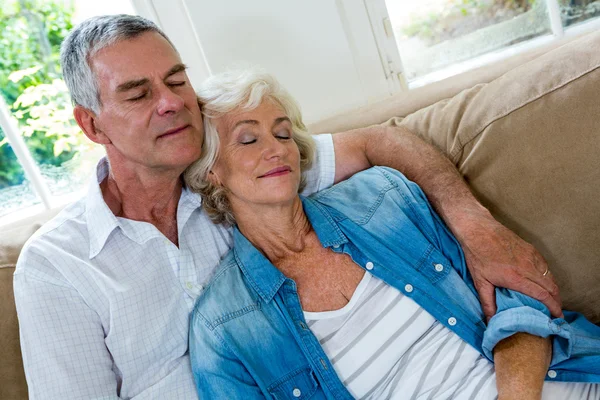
column 277, row 172
column 173, row 131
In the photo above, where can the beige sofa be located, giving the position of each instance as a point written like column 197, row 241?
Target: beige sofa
column 528, row 143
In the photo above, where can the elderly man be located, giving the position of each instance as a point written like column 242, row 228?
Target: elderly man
column 104, row 290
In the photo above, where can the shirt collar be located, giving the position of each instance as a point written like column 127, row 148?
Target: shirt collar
column 101, row 221
column 264, row 277
column 99, row 218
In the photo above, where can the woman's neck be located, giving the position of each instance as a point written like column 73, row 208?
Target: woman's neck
column 277, row 231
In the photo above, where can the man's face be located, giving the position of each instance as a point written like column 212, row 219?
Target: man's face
column 149, row 114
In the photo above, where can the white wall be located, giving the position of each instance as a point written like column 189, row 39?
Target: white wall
column 321, row 50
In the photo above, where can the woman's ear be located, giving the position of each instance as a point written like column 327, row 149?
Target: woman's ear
column 213, row 178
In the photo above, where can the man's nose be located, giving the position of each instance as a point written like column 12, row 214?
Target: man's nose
column 168, row 101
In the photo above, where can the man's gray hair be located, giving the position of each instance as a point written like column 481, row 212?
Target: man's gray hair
column 85, row 40
column 232, row 92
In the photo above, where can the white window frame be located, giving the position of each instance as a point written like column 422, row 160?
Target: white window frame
column 386, row 43
column 15, row 140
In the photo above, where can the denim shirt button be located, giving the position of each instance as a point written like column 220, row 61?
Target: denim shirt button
column 408, row 288
column 369, row 265
column 296, row 392
column 552, row 374
column 451, row 321
column 336, row 246
column 439, row 267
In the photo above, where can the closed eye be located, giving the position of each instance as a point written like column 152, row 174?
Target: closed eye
column 141, row 96
column 283, row 135
column 177, row 83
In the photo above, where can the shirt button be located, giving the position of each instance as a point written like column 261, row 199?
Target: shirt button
column 335, row 246
column 408, row 288
column 369, row 265
column 439, row 267
column 452, row 321
column 296, row 392
column 552, row 374
column 189, row 285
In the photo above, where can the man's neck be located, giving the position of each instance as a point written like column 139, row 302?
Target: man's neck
column 148, row 197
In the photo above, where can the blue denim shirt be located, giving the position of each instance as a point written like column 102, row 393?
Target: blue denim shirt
column 248, row 335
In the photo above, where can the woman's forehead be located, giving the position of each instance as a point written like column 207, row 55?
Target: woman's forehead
column 268, row 111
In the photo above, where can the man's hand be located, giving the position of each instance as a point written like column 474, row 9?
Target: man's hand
column 498, row 257
column 495, row 255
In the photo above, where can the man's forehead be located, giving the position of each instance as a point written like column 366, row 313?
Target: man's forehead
column 137, row 58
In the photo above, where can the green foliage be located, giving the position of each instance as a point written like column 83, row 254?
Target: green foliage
column 439, row 26
column 30, row 81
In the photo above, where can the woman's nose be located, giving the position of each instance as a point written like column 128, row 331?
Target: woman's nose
column 274, row 147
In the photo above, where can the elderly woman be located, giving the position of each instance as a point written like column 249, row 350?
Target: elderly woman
column 359, row 291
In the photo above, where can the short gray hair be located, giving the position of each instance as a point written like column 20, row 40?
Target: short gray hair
column 229, row 92
column 85, row 40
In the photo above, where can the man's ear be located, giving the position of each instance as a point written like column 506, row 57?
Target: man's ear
column 86, row 120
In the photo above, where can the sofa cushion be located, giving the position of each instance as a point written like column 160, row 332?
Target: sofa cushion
column 528, row 144
column 13, row 385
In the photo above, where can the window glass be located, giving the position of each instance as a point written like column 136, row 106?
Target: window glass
column 15, row 190
column 576, row 11
column 434, row 34
column 32, row 86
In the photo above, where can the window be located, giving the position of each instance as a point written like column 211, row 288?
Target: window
column 45, row 160
column 429, row 40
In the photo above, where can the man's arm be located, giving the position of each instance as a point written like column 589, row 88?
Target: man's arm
column 62, row 341
column 521, row 362
column 495, row 255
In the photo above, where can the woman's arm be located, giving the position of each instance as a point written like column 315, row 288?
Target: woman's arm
column 521, row 362
column 495, row 255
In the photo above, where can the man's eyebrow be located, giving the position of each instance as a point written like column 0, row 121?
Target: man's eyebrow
column 135, row 83
column 132, row 84
column 175, row 69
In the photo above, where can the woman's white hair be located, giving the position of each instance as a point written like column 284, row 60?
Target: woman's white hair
column 233, row 91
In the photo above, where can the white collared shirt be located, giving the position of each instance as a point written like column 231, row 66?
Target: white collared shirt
column 104, row 302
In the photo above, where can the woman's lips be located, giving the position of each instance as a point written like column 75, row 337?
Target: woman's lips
column 277, row 172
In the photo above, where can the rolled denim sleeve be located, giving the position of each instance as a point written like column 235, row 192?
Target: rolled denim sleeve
column 519, row 313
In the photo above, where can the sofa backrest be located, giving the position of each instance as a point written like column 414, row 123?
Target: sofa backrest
column 527, row 143
column 12, row 378
column 12, row 238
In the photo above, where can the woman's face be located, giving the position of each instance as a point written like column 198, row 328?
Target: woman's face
column 259, row 162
